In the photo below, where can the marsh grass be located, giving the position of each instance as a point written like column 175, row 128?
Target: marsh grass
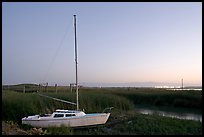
column 139, row 124
column 16, row 105
column 156, row 125
column 162, row 97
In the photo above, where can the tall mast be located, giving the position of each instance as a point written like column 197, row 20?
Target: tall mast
column 76, row 63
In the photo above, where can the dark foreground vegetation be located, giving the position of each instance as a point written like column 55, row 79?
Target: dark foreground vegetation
column 123, row 119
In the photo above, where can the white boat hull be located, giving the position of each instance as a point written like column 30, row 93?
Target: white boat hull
column 75, row 121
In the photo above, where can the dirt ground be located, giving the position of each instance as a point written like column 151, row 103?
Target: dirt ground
column 13, row 129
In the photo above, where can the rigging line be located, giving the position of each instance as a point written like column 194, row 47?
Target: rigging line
column 64, row 101
column 68, row 29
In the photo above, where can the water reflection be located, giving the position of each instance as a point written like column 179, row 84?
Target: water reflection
column 186, row 116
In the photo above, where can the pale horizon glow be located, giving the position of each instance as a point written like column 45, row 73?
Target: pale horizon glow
column 118, row 42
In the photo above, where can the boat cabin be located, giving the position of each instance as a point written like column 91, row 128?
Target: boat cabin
column 67, row 113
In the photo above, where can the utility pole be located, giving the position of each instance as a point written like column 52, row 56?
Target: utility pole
column 24, row 89
column 39, row 87
column 56, row 88
column 71, row 86
column 46, row 87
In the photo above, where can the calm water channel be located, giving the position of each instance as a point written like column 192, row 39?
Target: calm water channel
column 187, row 116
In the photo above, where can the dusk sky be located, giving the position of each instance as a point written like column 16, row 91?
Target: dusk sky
column 117, row 42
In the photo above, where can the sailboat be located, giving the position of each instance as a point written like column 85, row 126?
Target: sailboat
column 68, row 118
